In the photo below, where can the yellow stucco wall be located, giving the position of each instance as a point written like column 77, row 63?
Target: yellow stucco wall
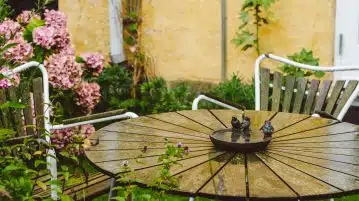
column 184, row 37
column 88, row 24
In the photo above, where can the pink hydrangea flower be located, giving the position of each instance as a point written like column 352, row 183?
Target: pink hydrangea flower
column 61, row 37
column 60, row 138
column 68, row 50
column 87, row 130
column 94, row 62
column 55, row 18
column 44, row 37
column 26, row 16
column 88, row 95
column 7, row 82
column 20, row 53
column 64, row 72
column 9, row 28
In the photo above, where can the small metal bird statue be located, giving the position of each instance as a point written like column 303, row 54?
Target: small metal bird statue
column 268, row 129
column 246, row 123
column 144, row 150
column 236, row 124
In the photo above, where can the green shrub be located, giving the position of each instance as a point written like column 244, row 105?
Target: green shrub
column 5, row 10
column 116, row 84
column 306, row 57
column 156, row 97
column 236, row 91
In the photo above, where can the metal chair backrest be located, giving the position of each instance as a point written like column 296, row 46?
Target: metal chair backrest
column 280, row 93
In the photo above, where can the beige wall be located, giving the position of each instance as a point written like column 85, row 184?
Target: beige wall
column 88, row 24
column 183, row 36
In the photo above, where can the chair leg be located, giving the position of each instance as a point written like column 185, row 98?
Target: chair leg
column 112, row 192
column 191, row 199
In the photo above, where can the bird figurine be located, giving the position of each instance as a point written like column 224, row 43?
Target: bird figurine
column 144, row 150
column 236, row 134
column 267, row 129
column 236, row 124
column 246, row 123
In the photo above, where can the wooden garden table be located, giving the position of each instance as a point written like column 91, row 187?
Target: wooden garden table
column 307, row 158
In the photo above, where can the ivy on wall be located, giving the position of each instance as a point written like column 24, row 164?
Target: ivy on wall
column 138, row 60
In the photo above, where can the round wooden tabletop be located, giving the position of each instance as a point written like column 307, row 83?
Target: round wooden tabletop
column 307, row 158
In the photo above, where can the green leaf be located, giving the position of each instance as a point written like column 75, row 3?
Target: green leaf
column 319, row 74
column 119, row 198
column 244, row 16
column 80, row 60
column 6, row 47
column 41, row 185
column 5, row 131
column 33, row 24
column 65, row 154
column 299, row 74
column 39, row 162
column 66, row 198
column 27, row 156
column 37, row 152
column 14, row 105
column 39, row 54
column 11, row 168
column 133, row 28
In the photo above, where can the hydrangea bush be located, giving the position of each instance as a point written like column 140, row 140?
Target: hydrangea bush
column 45, row 38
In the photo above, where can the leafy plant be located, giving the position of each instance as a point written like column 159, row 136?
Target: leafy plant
column 163, row 180
column 5, row 10
column 306, row 57
column 116, row 85
column 253, row 13
column 156, row 97
column 236, row 91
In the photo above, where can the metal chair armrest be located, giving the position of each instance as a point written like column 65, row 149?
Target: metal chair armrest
column 92, row 121
column 213, row 99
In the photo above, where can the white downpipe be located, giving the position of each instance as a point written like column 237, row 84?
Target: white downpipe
column 304, row 66
column 121, row 116
column 116, row 37
column 203, row 97
column 51, row 162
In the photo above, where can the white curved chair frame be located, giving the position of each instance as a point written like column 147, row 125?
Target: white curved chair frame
column 290, row 62
column 47, row 124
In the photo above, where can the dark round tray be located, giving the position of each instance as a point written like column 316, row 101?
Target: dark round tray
column 231, row 140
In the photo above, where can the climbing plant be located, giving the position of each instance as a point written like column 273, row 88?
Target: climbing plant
column 254, row 14
column 138, row 60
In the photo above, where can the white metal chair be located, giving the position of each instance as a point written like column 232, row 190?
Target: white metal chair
column 52, row 167
column 340, row 113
